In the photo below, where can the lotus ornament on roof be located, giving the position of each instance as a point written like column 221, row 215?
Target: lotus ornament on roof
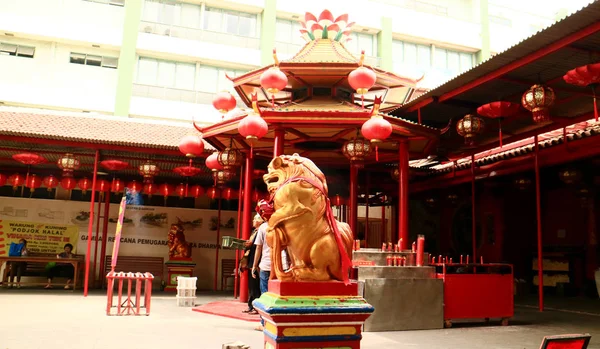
column 326, row 27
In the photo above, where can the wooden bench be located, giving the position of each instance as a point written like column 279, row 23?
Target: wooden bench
column 227, row 271
column 36, row 267
column 153, row 265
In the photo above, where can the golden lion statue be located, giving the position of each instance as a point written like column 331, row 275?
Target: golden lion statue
column 178, row 247
column 302, row 223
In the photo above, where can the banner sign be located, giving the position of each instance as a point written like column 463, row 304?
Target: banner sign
column 41, row 237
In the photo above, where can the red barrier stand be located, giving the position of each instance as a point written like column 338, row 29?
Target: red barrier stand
column 129, row 306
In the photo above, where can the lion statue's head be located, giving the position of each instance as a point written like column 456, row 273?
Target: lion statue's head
column 284, row 167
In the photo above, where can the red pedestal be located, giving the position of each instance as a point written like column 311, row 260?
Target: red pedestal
column 175, row 268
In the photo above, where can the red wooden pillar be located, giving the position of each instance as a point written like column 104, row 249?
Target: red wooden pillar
column 278, row 142
column 383, row 225
column 403, row 193
column 96, row 242
column 352, row 202
column 367, row 213
column 473, row 218
column 218, row 243
column 236, row 281
column 538, row 213
column 90, row 227
column 247, row 218
column 104, row 236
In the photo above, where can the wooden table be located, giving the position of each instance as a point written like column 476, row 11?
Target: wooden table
column 75, row 262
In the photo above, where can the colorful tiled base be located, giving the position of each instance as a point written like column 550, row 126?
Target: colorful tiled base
column 178, row 268
column 295, row 319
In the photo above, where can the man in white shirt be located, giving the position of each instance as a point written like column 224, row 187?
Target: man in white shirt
column 262, row 258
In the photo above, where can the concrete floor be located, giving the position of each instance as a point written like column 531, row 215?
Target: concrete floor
column 36, row 319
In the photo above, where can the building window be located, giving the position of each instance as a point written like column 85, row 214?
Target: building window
column 410, row 54
column 94, row 60
column 360, row 41
column 172, row 13
column 231, row 22
column 166, row 73
column 453, row 62
column 214, row 79
column 288, row 32
column 16, row 50
column 109, row 2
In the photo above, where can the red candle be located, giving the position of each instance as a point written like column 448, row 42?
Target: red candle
column 414, row 247
column 388, row 261
column 383, row 247
column 420, row 250
column 390, row 247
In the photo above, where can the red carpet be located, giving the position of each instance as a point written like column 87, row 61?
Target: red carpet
column 230, row 309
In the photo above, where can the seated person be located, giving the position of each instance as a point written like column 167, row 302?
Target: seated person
column 18, row 267
column 62, row 269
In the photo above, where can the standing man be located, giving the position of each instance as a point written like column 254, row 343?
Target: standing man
column 248, row 261
column 262, row 262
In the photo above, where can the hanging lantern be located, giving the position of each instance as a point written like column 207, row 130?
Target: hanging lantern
column 229, row 194
column 50, row 182
column 68, row 183
column 148, row 169
column 273, row 79
column 229, row 158
column 150, row 189
column 135, row 186
column 253, row 126
column 213, row 193
column 469, row 127
column 196, row 191
column 102, row 185
column 538, row 100
column 224, row 102
column 337, row 200
column 570, row 176
column 587, row 75
column 395, row 173
column 84, row 184
column 212, row 162
column 68, row 163
column 376, row 129
column 29, row 158
column 356, row 149
column 3, row 179
column 362, row 78
column 223, row 176
column 165, row 190
column 114, row 165
column 499, row 110
column 522, row 183
column 431, row 202
column 180, row 190
column 34, row 182
column 191, row 146
column 187, row 171
column 452, row 198
column 16, row 180
column 117, row 186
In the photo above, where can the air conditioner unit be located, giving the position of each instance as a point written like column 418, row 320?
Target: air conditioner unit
column 148, row 29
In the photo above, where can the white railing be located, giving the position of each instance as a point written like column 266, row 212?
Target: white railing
column 199, row 35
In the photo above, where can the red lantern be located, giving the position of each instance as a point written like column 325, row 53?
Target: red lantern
column 114, row 165
column 68, row 163
column 84, row 184
column 337, row 200
column 102, row 185
column 587, row 75
column 212, row 162
column 16, row 180
column 50, row 182
column 356, row 149
column 213, row 193
column 29, row 158
column 117, row 186
column 34, row 182
column 180, row 190
column 135, row 186
column 187, row 171
column 538, row 100
column 223, row 176
column 257, row 196
column 148, row 170
column 499, row 110
column 196, row 191
column 224, row 102
column 191, row 146
column 68, row 183
column 150, row 189
column 376, row 129
column 165, row 190
column 395, row 172
column 362, row 78
column 469, row 127
column 3, row 179
column 273, row 79
column 230, row 194
column 253, row 127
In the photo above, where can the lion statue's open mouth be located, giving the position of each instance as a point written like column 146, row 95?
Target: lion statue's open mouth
column 302, row 223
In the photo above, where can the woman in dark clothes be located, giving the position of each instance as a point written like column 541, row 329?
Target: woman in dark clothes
column 62, row 269
column 253, row 283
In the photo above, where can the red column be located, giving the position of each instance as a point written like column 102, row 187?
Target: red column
column 473, row 218
column 538, row 213
column 278, row 142
column 90, row 227
column 96, row 243
column 403, row 193
column 367, row 214
column 236, row 281
column 104, row 236
column 218, row 243
column 383, row 225
column 352, row 202
column 247, row 219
